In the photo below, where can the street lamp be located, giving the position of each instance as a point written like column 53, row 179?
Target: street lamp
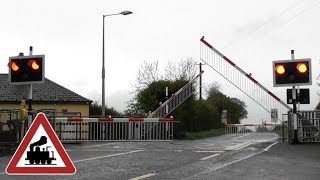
column 103, row 69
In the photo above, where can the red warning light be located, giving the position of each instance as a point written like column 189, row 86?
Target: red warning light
column 33, row 64
column 13, row 66
column 302, row 67
column 280, row 69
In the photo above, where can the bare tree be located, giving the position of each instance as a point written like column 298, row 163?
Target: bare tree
column 184, row 69
column 148, row 73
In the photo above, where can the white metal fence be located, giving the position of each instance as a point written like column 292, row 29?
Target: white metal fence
column 114, row 129
column 308, row 126
column 280, row 129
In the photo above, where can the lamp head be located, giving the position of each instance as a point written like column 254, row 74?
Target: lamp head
column 126, row 12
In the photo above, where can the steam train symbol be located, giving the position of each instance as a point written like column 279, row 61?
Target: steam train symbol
column 36, row 156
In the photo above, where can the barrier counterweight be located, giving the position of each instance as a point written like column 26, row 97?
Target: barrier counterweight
column 114, row 129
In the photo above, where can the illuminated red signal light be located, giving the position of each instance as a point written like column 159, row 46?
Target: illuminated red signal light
column 13, row 66
column 292, row 72
column 33, row 64
column 26, row 69
column 302, row 67
column 280, row 69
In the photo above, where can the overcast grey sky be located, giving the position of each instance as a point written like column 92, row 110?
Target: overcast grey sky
column 69, row 32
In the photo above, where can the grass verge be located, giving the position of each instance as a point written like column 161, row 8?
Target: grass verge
column 204, row 134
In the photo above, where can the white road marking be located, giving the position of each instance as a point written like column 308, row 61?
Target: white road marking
column 245, row 145
column 111, row 155
column 143, row 176
column 208, row 157
column 242, row 145
column 166, row 150
column 209, row 151
column 230, row 163
column 241, row 136
column 96, row 150
column 267, row 148
column 268, row 140
column 98, row 145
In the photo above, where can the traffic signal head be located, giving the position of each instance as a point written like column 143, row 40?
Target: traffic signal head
column 26, row 69
column 292, row 72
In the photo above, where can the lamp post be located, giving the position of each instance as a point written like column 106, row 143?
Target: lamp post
column 103, row 68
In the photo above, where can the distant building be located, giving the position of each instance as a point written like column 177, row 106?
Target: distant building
column 49, row 95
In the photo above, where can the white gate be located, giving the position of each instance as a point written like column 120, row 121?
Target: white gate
column 114, row 129
column 279, row 129
column 308, row 126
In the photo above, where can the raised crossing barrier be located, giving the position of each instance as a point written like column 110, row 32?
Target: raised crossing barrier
column 176, row 99
column 114, row 129
column 241, row 80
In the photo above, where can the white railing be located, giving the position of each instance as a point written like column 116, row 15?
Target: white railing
column 114, row 129
column 308, row 126
column 280, row 129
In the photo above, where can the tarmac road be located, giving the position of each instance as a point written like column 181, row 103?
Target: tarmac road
column 246, row 156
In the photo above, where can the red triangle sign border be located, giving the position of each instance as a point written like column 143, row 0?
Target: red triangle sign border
column 12, row 168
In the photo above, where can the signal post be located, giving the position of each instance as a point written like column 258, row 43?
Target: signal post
column 27, row 70
column 294, row 72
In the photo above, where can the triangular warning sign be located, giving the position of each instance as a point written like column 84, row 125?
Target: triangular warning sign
column 40, row 152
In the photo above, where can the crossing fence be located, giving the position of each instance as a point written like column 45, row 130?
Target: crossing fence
column 114, row 129
column 280, row 129
column 308, row 126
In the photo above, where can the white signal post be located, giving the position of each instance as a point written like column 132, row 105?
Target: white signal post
column 30, row 95
column 294, row 110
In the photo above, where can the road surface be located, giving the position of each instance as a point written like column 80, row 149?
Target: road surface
column 245, row 156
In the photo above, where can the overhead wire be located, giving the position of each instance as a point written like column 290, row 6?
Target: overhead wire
column 274, row 18
column 302, row 12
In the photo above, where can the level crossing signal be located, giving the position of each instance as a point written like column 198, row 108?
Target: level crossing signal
column 292, row 72
column 26, row 69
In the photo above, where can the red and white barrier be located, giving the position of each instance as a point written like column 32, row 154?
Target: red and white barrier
column 240, row 79
column 114, row 119
column 114, row 129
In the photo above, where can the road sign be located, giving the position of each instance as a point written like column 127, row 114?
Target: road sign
column 303, row 97
column 224, row 116
column 274, row 115
column 40, row 152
